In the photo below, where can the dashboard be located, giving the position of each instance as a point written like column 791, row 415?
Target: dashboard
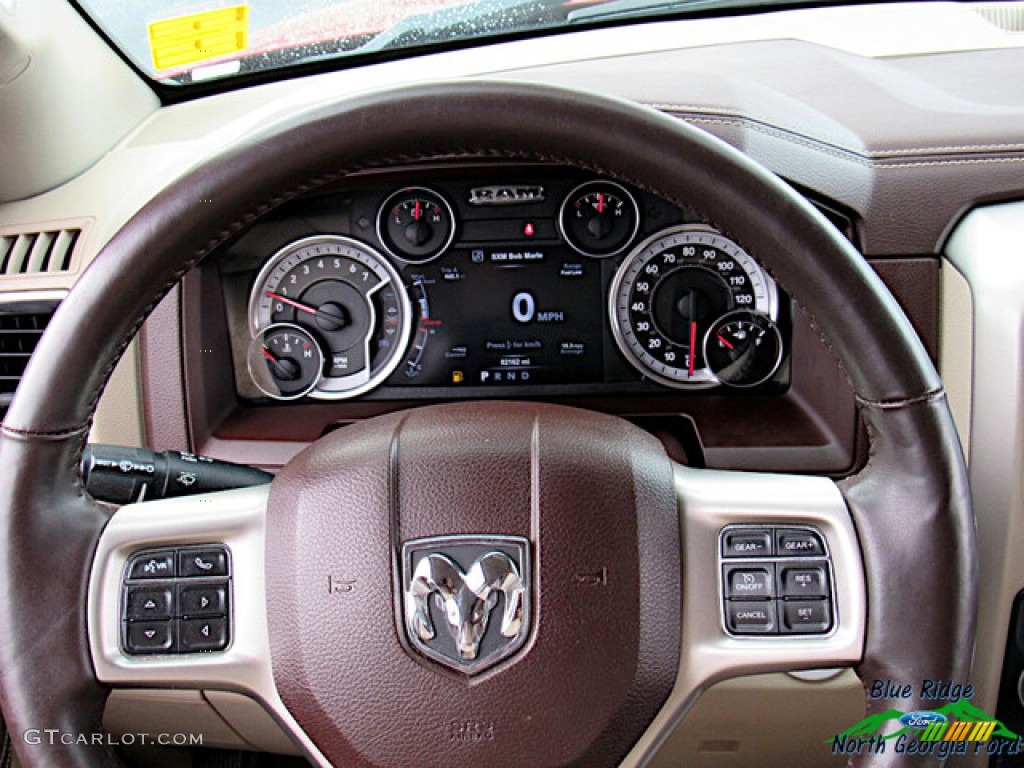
column 417, row 284
column 503, row 282
column 492, row 297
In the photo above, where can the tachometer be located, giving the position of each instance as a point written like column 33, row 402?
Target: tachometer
column 671, row 289
column 349, row 298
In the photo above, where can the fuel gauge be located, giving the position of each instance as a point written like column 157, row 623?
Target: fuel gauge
column 743, row 348
column 285, row 361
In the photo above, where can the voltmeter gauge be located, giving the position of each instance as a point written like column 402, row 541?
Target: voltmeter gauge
column 416, row 224
column 285, row 361
column 599, row 218
column 743, row 349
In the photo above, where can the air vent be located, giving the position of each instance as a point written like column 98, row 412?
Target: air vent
column 22, row 322
column 1008, row 16
column 28, row 253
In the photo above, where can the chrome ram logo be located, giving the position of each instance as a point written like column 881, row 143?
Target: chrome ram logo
column 453, row 585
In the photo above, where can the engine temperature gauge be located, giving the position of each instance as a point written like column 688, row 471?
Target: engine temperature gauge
column 285, row 361
column 599, row 218
column 743, row 349
column 416, row 224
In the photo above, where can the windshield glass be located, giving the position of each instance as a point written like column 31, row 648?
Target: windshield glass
column 184, row 41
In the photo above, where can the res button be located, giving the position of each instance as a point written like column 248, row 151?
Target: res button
column 803, row 581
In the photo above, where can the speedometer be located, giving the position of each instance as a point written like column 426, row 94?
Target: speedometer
column 671, row 289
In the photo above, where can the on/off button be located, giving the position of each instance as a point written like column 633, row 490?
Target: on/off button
column 749, row 582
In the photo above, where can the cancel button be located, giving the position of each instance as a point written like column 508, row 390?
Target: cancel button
column 750, row 618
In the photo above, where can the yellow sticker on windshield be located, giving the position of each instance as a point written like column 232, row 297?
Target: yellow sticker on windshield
column 199, row 37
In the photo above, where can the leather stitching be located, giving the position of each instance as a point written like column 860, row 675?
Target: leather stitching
column 891, row 405
column 691, row 113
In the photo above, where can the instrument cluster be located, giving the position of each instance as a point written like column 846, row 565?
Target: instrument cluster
column 511, row 282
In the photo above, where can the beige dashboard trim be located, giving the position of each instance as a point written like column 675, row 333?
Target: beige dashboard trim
column 985, row 248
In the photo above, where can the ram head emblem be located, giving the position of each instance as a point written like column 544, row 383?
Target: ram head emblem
column 464, row 602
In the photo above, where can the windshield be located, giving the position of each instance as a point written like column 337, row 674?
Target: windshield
column 184, row 41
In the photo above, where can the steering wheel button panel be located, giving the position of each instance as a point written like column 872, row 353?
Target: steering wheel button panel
column 799, row 569
column 749, row 582
column 192, row 607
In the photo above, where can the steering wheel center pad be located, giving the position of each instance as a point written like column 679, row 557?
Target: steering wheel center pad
column 594, row 497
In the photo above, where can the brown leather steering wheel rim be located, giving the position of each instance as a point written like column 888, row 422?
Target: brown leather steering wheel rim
column 910, row 502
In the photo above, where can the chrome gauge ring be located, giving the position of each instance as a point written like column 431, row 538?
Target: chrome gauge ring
column 671, row 289
column 345, row 295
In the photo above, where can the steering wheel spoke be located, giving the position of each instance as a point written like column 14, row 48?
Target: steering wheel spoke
column 751, row 559
column 132, row 555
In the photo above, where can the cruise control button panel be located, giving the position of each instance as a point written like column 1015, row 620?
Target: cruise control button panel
column 775, row 581
column 177, row 601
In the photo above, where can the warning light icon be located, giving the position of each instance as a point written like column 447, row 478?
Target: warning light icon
column 458, row 377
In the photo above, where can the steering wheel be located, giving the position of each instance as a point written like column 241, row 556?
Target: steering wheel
column 621, row 622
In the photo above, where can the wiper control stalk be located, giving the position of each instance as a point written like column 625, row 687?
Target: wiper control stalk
column 121, row 475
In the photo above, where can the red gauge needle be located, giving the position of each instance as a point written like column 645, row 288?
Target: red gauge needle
column 724, row 341
column 299, row 306
column 600, row 203
column 693, row 345
column 416, row 211
column 267, row 354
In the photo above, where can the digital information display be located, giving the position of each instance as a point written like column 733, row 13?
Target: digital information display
column 504, row 316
